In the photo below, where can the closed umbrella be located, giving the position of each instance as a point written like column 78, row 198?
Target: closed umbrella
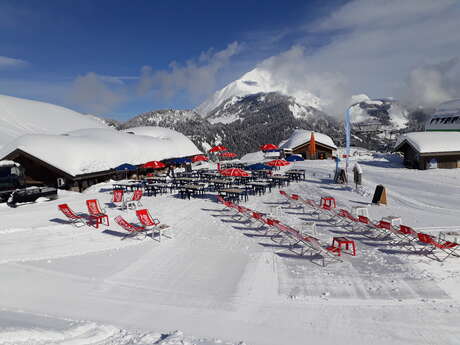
column 234, row 172
column 278, row 163
column 312, row 146
column 154, row 165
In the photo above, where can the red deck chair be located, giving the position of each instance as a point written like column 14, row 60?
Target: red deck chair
column 151, row 223
column 447, row 247
column 72, row 217
column 372, row 230
column 133, row 230
column 135, row 199
column 97, row 215
column 405, row 236
column 345, row 218
column 118, row 198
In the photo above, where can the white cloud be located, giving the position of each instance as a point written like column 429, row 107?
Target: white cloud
column 380, row 48
column 8, row 63
column 197, row 77
column 91, row 93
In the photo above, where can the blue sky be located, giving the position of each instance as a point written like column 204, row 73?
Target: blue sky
column 120, row 58
column 57, row 41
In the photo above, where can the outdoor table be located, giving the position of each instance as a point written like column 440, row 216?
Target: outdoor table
column 280, row 180
column 156, row 179
column 191, row 189
column 295, row 174
column 130, row 186
column 340, row 241
column 185, row 180
column 235, row 193
column 261, row 186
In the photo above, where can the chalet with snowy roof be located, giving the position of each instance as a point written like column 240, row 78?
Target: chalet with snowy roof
column 85, row 157
column 299, row 143
column 423, row 150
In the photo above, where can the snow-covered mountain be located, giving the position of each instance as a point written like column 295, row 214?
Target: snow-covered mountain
column 256, row 81
column 385, row 113
column 20, row 116
column 241, row 107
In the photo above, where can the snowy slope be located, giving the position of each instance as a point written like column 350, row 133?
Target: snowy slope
column 256, row 81
column 22, row 116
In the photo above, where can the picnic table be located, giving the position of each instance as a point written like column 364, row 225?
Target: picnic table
column 128, row 186
column 156, row 178
column 234, row 193
column 186, row 180
column 188, row 190
column 296, row 174
column 260, row 187
column 280, row 180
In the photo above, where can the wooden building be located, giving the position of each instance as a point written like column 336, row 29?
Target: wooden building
column 39, row 172
column 424, row 150
column 299, row 143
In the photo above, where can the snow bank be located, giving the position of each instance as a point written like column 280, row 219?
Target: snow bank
column 425, row 142
column 301, row 136
column 22, row 116
column 91, row 150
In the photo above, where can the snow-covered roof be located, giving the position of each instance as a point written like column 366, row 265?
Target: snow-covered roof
column 23, row 116
column 92, row 150
column 302, row 136
column 427, row 142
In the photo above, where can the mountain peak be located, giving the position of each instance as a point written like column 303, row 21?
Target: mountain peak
column 256, row 81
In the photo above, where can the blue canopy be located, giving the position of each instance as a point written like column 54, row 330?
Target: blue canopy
column 294, row 158
column 259, row 166
column 126, row 167
column 181, row 160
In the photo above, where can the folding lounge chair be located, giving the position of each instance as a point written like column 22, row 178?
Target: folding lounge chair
column 72, row 217
column 345, row 218
column 133, row 230
column 307, row 244
column 447, row 247
column 97, row 215
column 150, row 223
column 405, row 236
column 369, row 229
column 135, row 199
column 118, row 198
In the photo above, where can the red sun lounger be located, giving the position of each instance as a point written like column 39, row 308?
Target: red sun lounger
column 97, row 215
column 447, row 247
column 72, row 217
column 151, row 223
column 133, row 230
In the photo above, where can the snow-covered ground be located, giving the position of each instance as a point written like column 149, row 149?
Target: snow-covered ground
column 220, row 282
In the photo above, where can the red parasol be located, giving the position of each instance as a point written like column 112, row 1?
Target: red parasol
column 278, row 163
column 234, row 172
column 268, row 147
column 228, row 154
column 218, row 148
column 154, row 165
column 199, row 158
